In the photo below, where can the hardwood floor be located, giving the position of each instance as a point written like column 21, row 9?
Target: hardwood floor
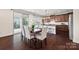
column 54, row 42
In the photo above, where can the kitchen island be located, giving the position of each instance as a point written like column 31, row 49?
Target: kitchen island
column 51, row 28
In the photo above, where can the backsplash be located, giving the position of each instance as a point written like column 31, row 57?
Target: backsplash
column 56, row 23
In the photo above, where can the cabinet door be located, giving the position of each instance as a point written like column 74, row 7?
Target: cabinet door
column 66, row 18
column 62, row 18
column 58, row 18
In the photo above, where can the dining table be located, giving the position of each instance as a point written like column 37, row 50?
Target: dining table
column 36, row 31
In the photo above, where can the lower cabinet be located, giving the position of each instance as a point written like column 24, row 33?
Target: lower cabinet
column 62, row 29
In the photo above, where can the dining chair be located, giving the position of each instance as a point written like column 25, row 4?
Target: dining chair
column 27, row 35
column 42, row 36
column 22, row 33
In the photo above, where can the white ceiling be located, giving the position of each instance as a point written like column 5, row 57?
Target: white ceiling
column 48, row 12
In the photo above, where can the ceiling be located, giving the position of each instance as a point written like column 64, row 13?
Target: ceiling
column 48, row 12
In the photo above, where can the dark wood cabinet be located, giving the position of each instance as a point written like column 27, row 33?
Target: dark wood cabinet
column 57, row 18
column 62, row 29
column 60, row 18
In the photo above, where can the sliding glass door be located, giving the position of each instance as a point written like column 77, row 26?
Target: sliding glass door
column 17, row 22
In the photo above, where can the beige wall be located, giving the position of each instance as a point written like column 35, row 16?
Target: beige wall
column 76, row 26
column 6, row 22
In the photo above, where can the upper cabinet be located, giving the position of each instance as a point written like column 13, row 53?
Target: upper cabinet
column 60, row 18
column 46, row 19
column 57, row 18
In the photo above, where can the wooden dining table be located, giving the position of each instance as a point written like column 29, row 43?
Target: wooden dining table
column 36, row 31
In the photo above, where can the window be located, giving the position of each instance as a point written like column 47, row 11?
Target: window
column 16, row 22
column 25, row 20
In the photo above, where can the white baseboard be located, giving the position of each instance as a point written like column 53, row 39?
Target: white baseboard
column 6, row 35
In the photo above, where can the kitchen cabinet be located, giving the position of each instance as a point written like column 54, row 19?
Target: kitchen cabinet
column 62, row 29
column 62, row 18
column 57, row 18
